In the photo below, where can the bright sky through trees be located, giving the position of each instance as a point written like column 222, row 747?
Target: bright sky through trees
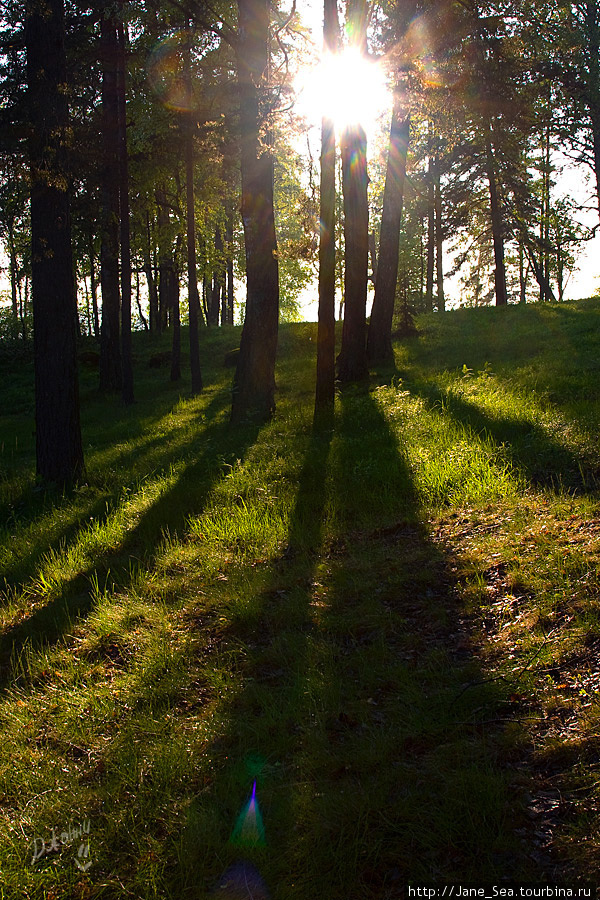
column 351, row 88
column 346, row 87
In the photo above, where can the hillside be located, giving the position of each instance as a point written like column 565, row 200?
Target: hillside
column 392, row 628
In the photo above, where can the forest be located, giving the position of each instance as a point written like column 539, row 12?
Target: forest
column 296, row 609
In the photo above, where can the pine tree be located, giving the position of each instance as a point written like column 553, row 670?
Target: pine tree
column 59, row 451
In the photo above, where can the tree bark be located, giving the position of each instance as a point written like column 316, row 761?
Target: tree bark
column 430, row 241
column 254, row 381
column 151, row 281
column 325, row 387
column 138, row 301
column 126, row 360
column 538, row 271
column 59, row 451
column 217, row 280
column 352, row 359
column 166, row 263
column 497, row 222
column 94, row 287
column 592, row 76
column 110, row 353
column 24, row 309
column 176, row 344
column 439, row 236
column 379, row 341
column 88, row 310
column 522, row 274
column 230, row 287
column 13, row 267
column 193, row 298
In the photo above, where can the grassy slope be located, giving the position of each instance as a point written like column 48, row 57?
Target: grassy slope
column 394, row 628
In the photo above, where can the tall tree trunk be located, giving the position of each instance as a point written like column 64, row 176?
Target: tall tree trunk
column 224, row 302
column 13, row 267
column 126, row 360
column 421, row 270
column 88, row 309
column 206, row 292
column 546, row 217
column 94, row 286
column 110, row 352
column 439, row 237
column 192, row 275
column 151, row 281
column 138, row 301
column 560, row 272
column 25, row 310
column 166, row 263
column 538, row 271
column 544, row 223
column 325, row 387
column 59, row 451
column 595, row 117
column 215, row 288
column 254, row 381
column 352, row 359
column 379, row 343
column 430, row 238
column 230, row 286
column 592, row 78
column 522, row 274
column 176, row 344
column 497, row 221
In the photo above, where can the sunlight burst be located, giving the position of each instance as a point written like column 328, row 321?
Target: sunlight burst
column 346, row 87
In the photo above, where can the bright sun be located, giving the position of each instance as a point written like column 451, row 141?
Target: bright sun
column 346, row 87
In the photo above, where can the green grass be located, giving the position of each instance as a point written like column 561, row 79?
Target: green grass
column 392, row 627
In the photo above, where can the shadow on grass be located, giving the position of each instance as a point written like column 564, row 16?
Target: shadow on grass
column 168, row 514
column 543, row 461
column 272, row 711
column 374, row 765
column 148, row 456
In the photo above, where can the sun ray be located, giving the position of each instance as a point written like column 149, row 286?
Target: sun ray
column 347, row 87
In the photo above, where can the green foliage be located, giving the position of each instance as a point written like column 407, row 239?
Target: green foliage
column 297, row 235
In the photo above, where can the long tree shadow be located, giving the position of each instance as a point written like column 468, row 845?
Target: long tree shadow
column 267, row 721
column 364, row 716
column 150, row 455
column 543, row 460
column 414, row 755
column 114, row 567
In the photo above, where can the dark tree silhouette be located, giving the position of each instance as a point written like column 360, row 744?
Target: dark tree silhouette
column 124, row 227
column 110, row 354
column 379, row 342
column 352, row 359
column 59, row 451
column 325, row 389
column 254, row 382
column 193, row 298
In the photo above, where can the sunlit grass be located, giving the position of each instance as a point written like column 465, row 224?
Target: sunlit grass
column 346, row 618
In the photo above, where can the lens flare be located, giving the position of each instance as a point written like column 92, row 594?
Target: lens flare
column 167, row 72
column 241, row 881
column 249, row 830
column 347, row 87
